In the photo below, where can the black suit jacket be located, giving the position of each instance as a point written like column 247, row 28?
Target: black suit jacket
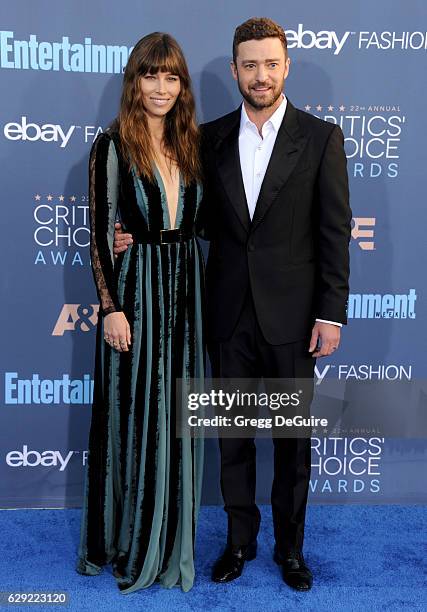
column 294, row 255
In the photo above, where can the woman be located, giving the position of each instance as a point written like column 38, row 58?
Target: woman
column 143, row 483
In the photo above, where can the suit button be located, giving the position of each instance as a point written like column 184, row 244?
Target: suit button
column 251, row 247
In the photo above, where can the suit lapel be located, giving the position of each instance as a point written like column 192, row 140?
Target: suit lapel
column 228, row 162
column 286, row 153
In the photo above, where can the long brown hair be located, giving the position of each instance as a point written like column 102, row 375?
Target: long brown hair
column 153, row 53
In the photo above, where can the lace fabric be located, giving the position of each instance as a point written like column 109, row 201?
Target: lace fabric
column 103, row 203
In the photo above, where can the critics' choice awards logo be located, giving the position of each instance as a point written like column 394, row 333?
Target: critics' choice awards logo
column 372, row 136
column 61, row 232
column 346, row 465
column 60, row 135
column 76, row 317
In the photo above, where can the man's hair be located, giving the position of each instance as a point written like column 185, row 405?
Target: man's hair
column 258, row 28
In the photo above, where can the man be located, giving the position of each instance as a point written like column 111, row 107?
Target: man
column 278, row 218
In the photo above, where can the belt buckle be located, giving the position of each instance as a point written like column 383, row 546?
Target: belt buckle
column 165, row 231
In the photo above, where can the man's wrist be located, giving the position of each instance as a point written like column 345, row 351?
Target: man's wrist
column 330, row 322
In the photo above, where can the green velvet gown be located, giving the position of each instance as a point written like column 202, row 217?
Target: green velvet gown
column 142, row 482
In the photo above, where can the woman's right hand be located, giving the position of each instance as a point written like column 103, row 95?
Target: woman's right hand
column 121, row 240
column 117, row 331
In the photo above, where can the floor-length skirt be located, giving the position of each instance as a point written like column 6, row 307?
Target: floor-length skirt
column 143, row 482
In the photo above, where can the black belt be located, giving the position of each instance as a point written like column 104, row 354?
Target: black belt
column 164, row 236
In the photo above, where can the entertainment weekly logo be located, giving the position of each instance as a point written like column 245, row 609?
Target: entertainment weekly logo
column 63, row 54
column 372, row 136
column 382, row 306
column 37, row 390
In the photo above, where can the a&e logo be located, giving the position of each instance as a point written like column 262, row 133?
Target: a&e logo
column 81, row 317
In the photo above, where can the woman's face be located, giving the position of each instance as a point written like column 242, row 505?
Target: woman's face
column 159, row 92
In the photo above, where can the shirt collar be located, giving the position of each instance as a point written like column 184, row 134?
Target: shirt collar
column 275, row 120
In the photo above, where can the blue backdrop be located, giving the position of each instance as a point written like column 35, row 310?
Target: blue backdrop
column 361, row 65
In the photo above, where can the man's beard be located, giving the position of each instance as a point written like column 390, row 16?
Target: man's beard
column 259, row 103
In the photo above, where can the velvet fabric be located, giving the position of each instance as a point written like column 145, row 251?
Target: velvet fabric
column 142, row 482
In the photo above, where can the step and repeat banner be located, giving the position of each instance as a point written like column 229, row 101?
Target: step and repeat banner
column 361, row 66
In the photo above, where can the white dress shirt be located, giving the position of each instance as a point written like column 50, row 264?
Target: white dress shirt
column 255, row 152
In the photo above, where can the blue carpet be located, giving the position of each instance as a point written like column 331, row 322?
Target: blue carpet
column 363, row 558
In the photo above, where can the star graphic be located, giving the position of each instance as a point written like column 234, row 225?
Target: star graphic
column 318, row 107
column 330, row 107
column 49, row 197
column 37, row 197
column 61, row 198
column 307, row 107
column 342, row 108
column 73, row 198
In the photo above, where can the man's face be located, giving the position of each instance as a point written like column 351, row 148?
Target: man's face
column 260, row 71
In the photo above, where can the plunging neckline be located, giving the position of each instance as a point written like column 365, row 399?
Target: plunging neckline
column 157, row 171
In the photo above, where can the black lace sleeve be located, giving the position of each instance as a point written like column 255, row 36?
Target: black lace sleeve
column 103, row 198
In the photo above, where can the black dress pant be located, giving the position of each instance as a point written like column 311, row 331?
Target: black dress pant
column 246, row 354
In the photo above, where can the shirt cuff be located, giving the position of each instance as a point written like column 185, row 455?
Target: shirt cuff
column 331, row 322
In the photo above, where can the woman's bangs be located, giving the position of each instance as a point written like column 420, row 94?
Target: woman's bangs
column 161, row 60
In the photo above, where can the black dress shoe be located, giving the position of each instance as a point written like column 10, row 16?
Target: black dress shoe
column 295, row 572
column 230, row 565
